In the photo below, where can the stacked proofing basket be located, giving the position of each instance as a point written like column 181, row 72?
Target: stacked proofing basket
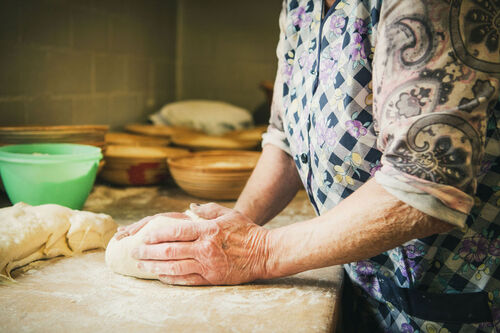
column 218, row 169
column 199, row 126
column 79, row 134
column 93, row 135
column 138, row 165
column 61, row 162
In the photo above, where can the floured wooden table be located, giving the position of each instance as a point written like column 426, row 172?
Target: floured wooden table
column 81, row 294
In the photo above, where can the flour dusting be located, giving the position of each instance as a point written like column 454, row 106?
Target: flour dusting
column 81, row 294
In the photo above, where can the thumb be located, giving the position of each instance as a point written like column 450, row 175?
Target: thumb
column 209, row 211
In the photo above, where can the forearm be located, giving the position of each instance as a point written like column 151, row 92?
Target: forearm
column 272, row 185
column 367, row 223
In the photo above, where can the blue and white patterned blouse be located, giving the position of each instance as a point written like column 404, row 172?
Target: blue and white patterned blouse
column 404, row 91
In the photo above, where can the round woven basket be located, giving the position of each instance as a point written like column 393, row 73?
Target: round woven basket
column 80, row 134
column 159, row 130
column 126, row 139
column 136, row 165
column 200, row 142
column 214, row 175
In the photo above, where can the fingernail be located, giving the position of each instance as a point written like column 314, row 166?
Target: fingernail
column 135, row 253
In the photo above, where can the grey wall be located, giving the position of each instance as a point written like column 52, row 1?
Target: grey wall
column 78, row 62
column 225, row 48
column 116, row 61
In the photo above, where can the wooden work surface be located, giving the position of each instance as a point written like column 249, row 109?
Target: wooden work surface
column 81, row 294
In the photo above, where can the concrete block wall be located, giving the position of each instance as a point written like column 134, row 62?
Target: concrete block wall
column 226, row 48
column 85, row 61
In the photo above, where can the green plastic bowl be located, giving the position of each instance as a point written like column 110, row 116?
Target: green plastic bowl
column 42, row 173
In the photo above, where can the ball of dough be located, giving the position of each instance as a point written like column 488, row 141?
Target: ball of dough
column 119, row 252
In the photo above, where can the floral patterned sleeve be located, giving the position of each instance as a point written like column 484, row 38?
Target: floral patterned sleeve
column 275, row 134
column 435, row 76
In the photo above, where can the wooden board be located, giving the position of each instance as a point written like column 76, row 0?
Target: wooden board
column 81, row 294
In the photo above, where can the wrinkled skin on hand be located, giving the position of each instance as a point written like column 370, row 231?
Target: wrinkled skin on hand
column 226, row 249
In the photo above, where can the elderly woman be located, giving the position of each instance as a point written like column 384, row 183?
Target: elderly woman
column 385, row 113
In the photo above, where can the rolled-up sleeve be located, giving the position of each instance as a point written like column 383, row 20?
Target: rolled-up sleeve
column 435, row 82
column 275, row 134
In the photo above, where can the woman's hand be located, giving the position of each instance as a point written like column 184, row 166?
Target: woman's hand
column 226, row 249
column 131, row 229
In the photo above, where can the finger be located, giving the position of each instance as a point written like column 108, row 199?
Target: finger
column 123, row 232
column 129, row 230
column 184, row 280
column 170, row 267
column 174, row 232
column 120, row 234
column 165, row 251
column 174, row 215
column 133, row 228
column 209, row 211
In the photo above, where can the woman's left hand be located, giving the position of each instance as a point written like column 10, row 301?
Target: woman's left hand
column 226, row 249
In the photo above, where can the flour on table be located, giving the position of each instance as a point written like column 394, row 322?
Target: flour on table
column 119, row 252
column 29, row 233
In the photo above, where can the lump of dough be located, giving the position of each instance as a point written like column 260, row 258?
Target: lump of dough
column 119, row 252
column 29, row 233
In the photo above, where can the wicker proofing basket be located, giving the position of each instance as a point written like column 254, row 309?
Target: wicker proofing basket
column 80, row 134
column 126, row 139
column 251, row 134
column 203, row 142
column 162, row 131
column 214, row 175
column 134, row 165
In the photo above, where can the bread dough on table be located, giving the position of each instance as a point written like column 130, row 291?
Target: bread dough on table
column 119, row 252
column 29, row 233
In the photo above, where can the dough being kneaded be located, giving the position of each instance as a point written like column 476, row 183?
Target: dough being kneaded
column 29, row 233
column 119, row 252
